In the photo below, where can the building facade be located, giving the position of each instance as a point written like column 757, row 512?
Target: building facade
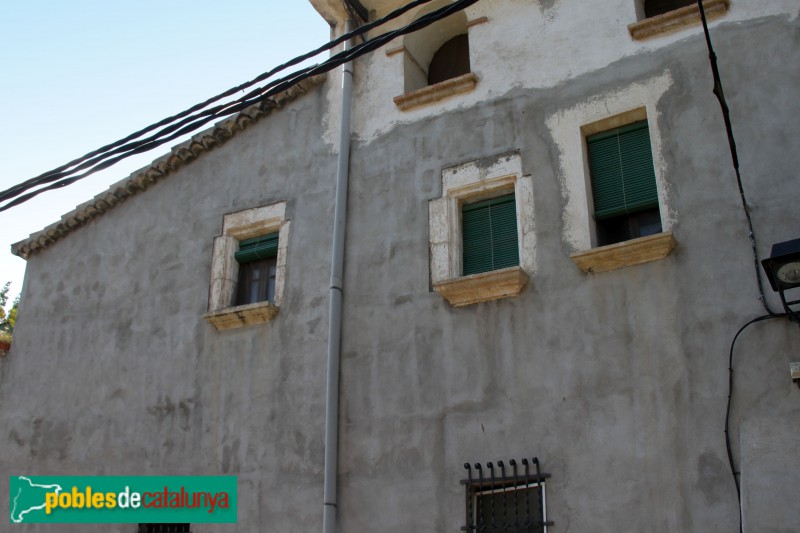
column 546, row 256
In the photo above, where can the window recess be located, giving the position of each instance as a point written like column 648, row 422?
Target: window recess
column 490, row 235
column 502, row 498
column 257, row 260
column 450, row 61
column 658, row 17
column 481, row 231
column 248, row 267
column 435, row 61
column 623, row 184
column 653, row 8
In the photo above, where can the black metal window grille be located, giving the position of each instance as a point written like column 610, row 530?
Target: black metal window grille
column 164, row 528
column 507, row 499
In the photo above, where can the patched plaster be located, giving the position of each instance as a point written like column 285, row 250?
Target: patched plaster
column 573, row 174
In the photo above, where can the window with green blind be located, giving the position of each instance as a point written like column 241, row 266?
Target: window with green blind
column 623, row 183
column 257, row 260
column 490, row 235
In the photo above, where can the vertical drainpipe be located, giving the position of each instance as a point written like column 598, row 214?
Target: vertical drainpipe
column 335, row 299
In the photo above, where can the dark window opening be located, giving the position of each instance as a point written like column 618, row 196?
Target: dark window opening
column 509, row 509
column 257, row 260
column 627, row 227
column 490, row 240
column 623, row 184
column 164, row 528
column 256, row 282
column 450, row 61
column 659, row 7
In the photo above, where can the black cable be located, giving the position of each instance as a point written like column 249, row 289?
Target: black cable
column 116, row 147
column 728, row 408
column 193, row 123
column 357, row 13
column 734, row 156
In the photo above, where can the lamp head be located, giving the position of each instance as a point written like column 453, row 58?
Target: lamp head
column 783, row 265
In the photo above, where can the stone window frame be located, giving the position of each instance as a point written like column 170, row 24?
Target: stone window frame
column 568, row 127
column 469, row 182
column 674, row 20
column 634, row 251
column 236, row 227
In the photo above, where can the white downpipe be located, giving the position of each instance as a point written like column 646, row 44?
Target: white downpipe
column 335, row 300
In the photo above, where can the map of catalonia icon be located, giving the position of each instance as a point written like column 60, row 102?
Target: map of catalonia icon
column 27, row 499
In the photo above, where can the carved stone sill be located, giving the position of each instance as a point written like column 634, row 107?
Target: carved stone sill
column 242, row 315
column 483, row 287
column 624, row 254
column 437, row 91
column 677, row 19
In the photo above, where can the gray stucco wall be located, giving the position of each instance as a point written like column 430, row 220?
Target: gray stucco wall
column 114, row 370
column 616, row 381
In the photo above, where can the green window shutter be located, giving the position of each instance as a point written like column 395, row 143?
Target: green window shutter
column 490, row 235
column 262, row 247
column 621, row 164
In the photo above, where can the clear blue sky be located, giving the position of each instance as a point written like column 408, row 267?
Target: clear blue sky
column 79, row 74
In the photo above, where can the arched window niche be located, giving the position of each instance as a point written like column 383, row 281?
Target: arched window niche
column 436, row 61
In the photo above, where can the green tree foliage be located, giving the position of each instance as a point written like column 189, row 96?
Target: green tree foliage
column 7, row 317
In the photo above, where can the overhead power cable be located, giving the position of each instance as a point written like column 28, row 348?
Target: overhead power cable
column 726, row 116
column 119, row 146
column 197, row 116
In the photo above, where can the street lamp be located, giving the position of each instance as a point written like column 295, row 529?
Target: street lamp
column 783, row 272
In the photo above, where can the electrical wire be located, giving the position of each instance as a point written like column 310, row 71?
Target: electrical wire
column 728, row 408
column 192, row 118
column 59, row 172
column 359, row 31
column 718, row 92
column 357, row 13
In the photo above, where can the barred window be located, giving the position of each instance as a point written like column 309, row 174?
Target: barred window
column 164, row 528
column 506, row 499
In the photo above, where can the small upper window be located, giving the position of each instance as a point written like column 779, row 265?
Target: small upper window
column 257, row 260
column 623, row 184
column 659, row 7
column 436, row 60
column 450, row 61
column 248, row 268
column 657, row 17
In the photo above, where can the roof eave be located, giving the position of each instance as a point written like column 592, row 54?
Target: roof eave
column 140, row 180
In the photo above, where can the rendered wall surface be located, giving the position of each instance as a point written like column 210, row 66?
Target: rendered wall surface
column 114, row 370
column 616, row 381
